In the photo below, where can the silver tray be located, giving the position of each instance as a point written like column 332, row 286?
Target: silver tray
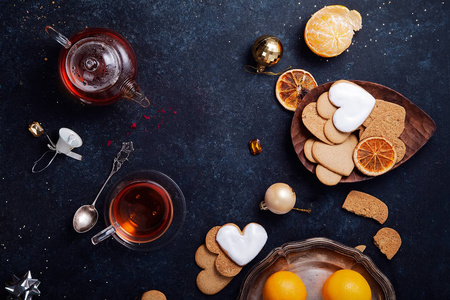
column 314, row 260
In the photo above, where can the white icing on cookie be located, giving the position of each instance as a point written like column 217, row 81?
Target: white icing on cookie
column 242, row 248
column 354, row 102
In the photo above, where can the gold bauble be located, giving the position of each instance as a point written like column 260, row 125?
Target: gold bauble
column 267, row 51
column 279, row 198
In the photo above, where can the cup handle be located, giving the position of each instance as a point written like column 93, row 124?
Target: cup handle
column 103, row 235
column 74, row 155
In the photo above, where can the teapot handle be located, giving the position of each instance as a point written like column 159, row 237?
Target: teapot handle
column 58, row 37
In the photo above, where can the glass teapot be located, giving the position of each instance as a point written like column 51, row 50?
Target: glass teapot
column 98, row 66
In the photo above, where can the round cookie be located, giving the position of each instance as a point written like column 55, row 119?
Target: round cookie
column 307, row 150
column 326, row 176
column 153, row 295
column 334, row 135
column 325, row 108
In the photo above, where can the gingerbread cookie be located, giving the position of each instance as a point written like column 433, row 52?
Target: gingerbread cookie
column 209, row 280
column 307, row 150
column 153, row 295
column 336, row 158
column 366, row 205
column 400, row 148
column 382, row 107
column 354, row 105
column 333, row 134
column 314, row 123
column 326, row 176
column 242, row 247
column 325, row 108
column 224, row 265
column 388, row 241
column 389, row 125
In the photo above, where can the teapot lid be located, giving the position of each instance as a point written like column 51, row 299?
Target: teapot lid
column 93, row 65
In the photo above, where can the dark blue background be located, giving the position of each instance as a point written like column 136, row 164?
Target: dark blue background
column 205, row 108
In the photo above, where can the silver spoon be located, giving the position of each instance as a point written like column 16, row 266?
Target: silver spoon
column 87, row 215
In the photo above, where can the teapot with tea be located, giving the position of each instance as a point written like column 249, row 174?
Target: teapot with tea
column 98, row 66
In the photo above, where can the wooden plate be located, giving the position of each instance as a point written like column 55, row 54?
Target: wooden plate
column 419, row 127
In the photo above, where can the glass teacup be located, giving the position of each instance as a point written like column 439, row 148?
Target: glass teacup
column 144, row 211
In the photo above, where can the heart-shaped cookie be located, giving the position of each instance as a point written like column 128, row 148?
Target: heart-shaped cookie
column 243, row 246
column 354, row 102
column 336, row 158
column 314, row 122
column 224, row 265
column 209, row 280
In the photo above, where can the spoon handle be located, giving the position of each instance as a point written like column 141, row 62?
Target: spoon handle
column 121, row 157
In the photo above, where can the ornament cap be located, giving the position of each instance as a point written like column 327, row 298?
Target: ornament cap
column 260, row 68
column 263, row 205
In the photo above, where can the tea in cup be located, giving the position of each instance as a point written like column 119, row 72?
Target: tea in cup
column 145, row 211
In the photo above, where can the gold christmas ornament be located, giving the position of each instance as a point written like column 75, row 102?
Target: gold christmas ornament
column 267, row 51
column 280, row 199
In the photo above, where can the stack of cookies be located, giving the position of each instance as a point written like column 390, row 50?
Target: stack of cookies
column 218, row 269
column 226, row 250
column 339, row 120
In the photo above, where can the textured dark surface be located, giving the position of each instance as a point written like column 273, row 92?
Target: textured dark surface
column 205, row 108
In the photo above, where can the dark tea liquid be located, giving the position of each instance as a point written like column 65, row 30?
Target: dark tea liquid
column 143, row 210
column 95, row 67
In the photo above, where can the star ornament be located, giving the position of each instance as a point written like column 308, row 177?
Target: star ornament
column 25, row 288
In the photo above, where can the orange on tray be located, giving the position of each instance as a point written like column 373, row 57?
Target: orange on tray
column 374, row 156
column 284, row 285
column 292, row 86
column 330, row 30
column 346, row 285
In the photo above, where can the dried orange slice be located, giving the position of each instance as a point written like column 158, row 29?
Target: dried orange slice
column 292, row 86
column 374, row 156
column 330, row 30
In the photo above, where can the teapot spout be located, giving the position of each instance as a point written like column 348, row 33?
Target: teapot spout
column 131, row 92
